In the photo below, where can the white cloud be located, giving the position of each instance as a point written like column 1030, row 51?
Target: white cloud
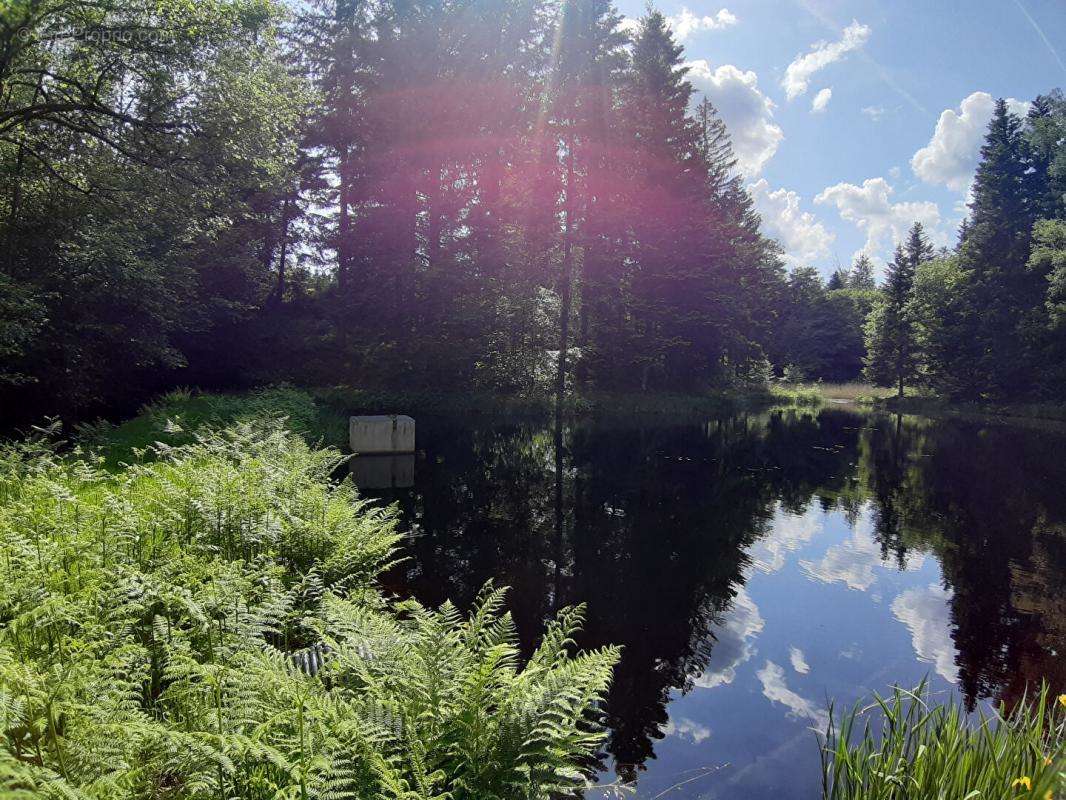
column 952, row 154
column 821, row 100
column 852, row 562
column 927, row 614
column 746, row 111
column 788, row 533
column 799, row 72
column 874, row 112
column 685, row 23
column 687, row 729
column 870, row 208
column 803, row 238
column 734, row 642
column 798, row 661
column 776, row 690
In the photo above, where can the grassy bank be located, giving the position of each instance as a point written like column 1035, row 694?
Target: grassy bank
column 829, row 393
column 206, row 624
column 908, row 747
column 321, row 415
column 928, row 406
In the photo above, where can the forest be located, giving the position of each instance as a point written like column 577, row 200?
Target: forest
column 499, row 196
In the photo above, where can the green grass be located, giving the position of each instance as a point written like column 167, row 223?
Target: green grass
column 820, row 393
column 907, row 747
column 175, row 419
column 931, row 406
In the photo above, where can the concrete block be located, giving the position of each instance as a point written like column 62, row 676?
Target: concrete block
column 382, row 434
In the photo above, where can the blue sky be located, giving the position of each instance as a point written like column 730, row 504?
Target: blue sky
column 853, row 118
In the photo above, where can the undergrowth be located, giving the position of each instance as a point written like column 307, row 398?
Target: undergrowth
column 205, row 623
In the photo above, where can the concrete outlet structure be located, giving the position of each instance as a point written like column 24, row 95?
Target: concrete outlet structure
column 382, row 434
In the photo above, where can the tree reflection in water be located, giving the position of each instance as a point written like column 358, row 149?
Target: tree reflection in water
column 651, row 525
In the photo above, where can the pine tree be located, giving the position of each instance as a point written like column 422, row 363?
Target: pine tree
column 918, row 248
column 673, row 244
column 588, row 57
column 840, row 279
column 890, row 336
column 862, row 273
column 992, row 348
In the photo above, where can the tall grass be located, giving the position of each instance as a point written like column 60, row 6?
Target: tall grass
column 908, row 747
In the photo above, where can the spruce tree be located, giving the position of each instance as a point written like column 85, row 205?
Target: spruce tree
column 589, row 54
column 862, row 274
column 992, row 351
column 673, row 244
column 891, row 358
column 838, row 280
column 918, row 248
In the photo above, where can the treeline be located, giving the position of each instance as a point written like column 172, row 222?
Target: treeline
column 987, row 321
column 501, row 195
column 492, row 193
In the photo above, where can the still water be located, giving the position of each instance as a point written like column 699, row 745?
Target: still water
column 753, row 567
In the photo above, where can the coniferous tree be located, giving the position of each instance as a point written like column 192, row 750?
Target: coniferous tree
column 839, row 279
column 862, row 273
column 993, row 359
column 918, row 248
column 589, row 56
column 891, row 358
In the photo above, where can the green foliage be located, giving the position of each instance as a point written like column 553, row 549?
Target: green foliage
column 909, row 746
column 1048, row 259
column 891, row 345
column 158, row 623
column 175, row 418
column 819, row 334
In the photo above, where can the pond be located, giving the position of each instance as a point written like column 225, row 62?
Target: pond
column 753, row 567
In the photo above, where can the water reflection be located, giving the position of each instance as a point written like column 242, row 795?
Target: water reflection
column 753, row 565
column 384, row 471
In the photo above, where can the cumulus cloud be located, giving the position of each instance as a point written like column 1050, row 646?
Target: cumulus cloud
column 776, row 690
column 734, row 642
column 870, row 208
column 927, row 615
column 821, row 100
column 802, row 237
column 798, row 74
column 874, row 112
column 746, row 111
column 788, row 533
column 952, row 154
column 685, row 23
column 687, row 729
column 852, row 562
column 798, row 661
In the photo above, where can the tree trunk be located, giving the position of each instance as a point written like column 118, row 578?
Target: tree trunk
column 344, row 244
column 279, row 291
column 566, row 278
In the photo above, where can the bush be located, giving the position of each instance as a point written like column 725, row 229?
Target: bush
column 206, row 625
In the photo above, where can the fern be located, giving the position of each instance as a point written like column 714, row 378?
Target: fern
column 204, row 623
